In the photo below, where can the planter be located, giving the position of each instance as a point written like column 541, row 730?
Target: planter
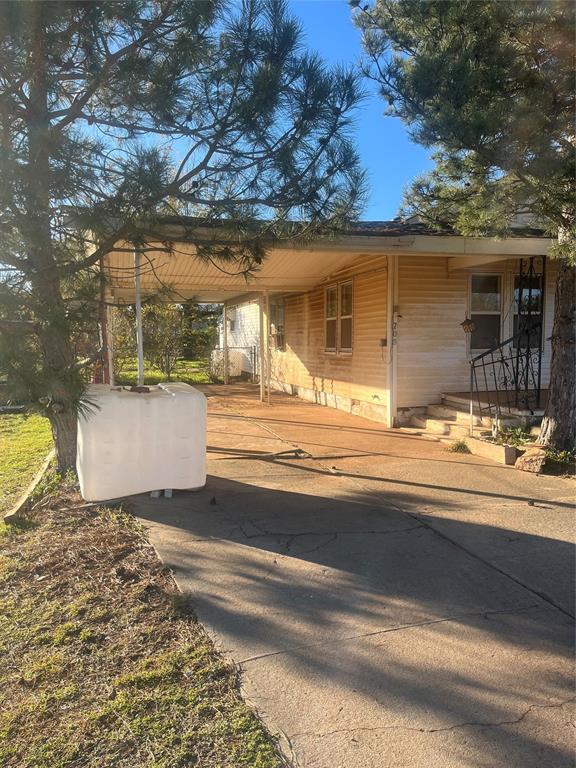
column 503, row 454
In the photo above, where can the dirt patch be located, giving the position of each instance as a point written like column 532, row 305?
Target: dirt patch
column 103, row 661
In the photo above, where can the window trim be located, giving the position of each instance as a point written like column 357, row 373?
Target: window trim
column 338, row 350
column 493, row 313
column 278, row 302
column 345, row 350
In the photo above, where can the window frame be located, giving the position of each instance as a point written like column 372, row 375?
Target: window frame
column 492, row 313
column 345, row 350
column 278, row 337
column 337, row 318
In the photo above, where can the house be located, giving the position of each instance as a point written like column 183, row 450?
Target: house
column 241, row 338
column 385, row 320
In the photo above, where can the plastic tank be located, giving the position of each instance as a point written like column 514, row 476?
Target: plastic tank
column 133, row 442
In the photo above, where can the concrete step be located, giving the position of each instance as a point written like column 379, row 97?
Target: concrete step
column 462, row 407
column 462, row 403
column 437, row 426
column 441, row 411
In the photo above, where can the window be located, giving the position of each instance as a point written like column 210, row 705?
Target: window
column 485, row 310
column 528, row 311
column 338, row 318
column 277, row 323
column 331, row 316
column 346, row 317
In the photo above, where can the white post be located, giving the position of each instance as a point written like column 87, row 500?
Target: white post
column 262, row 349
column 225, row 360
column 139, row 339
column 392, row 333
column 268, row 353
column 110, row 345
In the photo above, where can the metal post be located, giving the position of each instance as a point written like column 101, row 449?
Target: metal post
column 262, row 349
column 268, row 352
column 110, row 345
column 225, row 360
column 139, row 339
column 471, row 398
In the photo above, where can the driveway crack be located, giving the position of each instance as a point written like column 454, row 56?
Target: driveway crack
column 455, row 726
column 387, row 630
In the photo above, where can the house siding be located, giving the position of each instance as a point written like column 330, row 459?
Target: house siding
column 432, row 356
column 431, row 346
column 354, row 382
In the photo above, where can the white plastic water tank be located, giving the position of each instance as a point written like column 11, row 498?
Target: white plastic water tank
column 133, row 442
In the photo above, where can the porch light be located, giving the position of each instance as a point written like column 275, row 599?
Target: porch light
column 468, row 325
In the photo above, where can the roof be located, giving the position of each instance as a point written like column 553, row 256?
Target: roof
column 292, row 266
column 405, row 228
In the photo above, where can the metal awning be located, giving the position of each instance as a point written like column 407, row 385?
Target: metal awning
column 174, row 268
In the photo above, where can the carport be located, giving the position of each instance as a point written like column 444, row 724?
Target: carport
column 387, row 603
column 166, row 264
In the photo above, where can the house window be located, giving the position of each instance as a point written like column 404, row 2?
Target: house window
column 528, row 311
column 345, row 317
column 277, row 323
column 338, row 318
column 485, row 310
column 331, row 317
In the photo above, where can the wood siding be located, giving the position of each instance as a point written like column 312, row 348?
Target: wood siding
column 344, row 380
column 432, row 355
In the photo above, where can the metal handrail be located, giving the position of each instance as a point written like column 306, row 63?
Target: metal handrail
column 511, row 340
column 517, row 367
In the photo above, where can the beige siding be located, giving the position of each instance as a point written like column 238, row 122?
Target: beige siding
column 352, row 381
column 432, row 348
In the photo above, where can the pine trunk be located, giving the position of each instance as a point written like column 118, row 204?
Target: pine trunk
column 64, row 433
column 62, row 381
column 559, row 424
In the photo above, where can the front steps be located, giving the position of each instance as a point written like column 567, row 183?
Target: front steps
column 450, row 420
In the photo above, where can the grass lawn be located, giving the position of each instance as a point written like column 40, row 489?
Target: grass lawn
column 103, row 664
column 188, row 371
column 24, row 444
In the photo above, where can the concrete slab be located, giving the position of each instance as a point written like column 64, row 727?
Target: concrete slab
column 395, row 606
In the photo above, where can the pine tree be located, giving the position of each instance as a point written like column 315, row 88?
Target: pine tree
column 490, row 86
column 114, row 113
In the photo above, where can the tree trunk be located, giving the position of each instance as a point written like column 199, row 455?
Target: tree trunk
column 559, row 425
column 61, row 381
column 64, row 433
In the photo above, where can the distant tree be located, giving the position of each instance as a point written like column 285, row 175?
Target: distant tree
column 164, row 332
column 201, row 329
column 490, row 85
column 113, row 113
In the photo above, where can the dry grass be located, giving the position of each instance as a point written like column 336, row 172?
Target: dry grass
column 103, row 663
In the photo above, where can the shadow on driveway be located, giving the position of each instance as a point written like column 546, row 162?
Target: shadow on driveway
column 367, row 638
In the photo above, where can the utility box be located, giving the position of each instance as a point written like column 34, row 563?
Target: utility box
column 134, row 442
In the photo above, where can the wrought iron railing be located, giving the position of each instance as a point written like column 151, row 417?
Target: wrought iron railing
column 508, row 377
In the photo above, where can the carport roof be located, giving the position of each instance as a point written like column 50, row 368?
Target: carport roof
column 290, row 267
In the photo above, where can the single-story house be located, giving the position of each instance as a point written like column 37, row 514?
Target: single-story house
column 382, row 321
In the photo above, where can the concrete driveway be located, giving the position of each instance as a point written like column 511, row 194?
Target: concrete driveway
column 388, row 603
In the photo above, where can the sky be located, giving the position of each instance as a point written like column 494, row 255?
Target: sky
column 391, row 159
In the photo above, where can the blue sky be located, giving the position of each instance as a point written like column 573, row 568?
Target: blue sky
column 391, row 159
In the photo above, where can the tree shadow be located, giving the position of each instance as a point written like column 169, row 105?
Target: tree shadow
column 349, row 605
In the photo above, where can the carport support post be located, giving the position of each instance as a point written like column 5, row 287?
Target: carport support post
column 110, row 345
column 225, row 361
column 268, row 353
column 139, row 339
column 264, row 321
